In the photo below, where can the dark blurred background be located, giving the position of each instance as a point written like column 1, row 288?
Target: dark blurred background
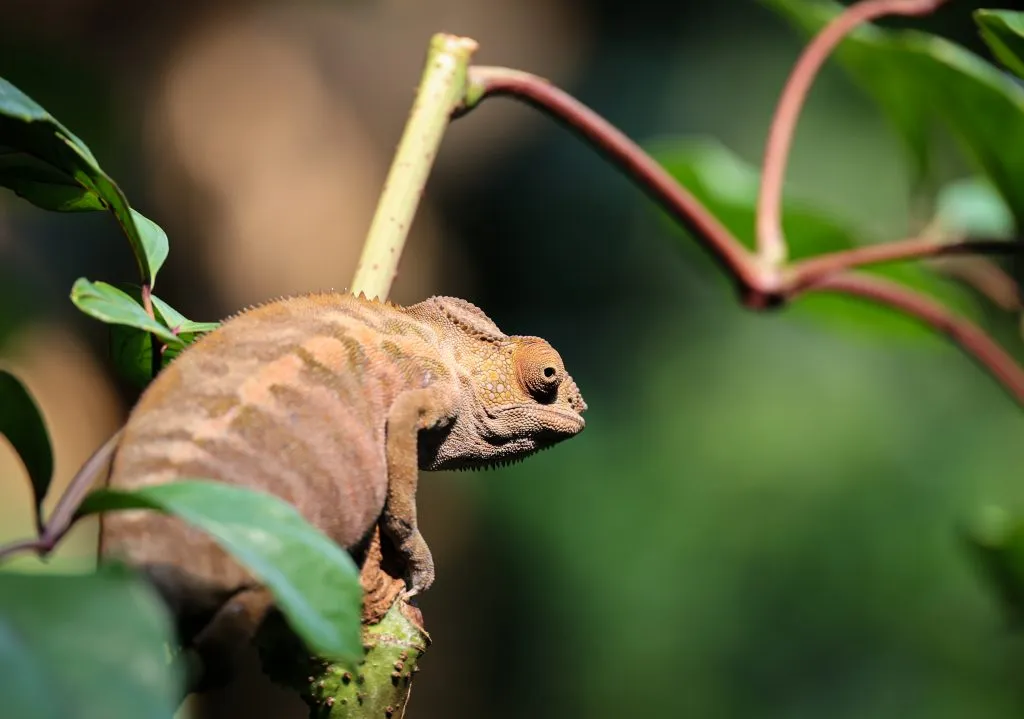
column 763, row 516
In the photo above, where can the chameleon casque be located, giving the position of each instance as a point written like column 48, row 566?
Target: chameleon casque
column 332, row 402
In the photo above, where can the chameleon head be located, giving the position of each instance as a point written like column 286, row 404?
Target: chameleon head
column 515, row 397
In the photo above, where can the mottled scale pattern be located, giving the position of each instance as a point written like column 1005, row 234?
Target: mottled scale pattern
column 291, row 397
column 333, row 403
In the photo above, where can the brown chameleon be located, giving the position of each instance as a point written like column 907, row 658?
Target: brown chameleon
column 332, row 402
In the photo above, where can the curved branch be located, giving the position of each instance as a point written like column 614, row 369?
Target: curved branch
column 986, row 277
column 771, row 244
column 629, row 157
column 971, row 339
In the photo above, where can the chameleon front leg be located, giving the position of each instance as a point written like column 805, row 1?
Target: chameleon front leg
column 414, row 410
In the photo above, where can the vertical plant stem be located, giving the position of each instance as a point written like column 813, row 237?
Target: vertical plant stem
column 441, row 90
column 154, row 343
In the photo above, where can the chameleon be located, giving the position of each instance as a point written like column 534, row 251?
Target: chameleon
column 332, row 402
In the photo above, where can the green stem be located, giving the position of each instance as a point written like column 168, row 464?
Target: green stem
column 441, row 91
column 393, row 636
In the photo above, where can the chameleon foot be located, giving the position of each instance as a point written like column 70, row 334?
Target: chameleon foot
column 419, row 565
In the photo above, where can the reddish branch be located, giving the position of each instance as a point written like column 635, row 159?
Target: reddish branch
column 771, row 244
column 979, row 345
column 804, row 273
column 763, row 279
column 65, row 513
column 985, row 277
column 730, row 254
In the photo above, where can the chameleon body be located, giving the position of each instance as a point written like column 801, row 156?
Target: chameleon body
column 333, row 403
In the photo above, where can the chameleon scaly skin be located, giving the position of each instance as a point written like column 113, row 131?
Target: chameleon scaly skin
column 333, row 403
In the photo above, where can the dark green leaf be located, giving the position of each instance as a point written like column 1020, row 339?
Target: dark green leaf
column 728, row 187
column 132, row 350
column 315, row 582
column 109, row 304
column 43, row 162
column 132, row 354
column 39, row 183
column 88, row 646
column 23, row 425
column 920, row 79
column 1003, row 32
column 997, row 540
column 17, row 105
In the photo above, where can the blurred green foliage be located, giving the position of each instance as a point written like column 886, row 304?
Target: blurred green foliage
column 91, row 646
column 1003, row 32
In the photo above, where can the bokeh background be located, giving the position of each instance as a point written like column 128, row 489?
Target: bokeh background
column 763, row 516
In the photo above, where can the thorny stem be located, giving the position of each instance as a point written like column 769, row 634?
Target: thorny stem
column 441, row 89
column 771, row 243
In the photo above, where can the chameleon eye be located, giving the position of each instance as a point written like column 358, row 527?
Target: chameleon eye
column 539, row 370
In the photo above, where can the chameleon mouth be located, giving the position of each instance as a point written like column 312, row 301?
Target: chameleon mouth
column 558, row 422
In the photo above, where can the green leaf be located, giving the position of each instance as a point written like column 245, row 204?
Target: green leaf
column 315, row 582
column 1003, row 32
column 131, row 349
column 23, row 425
column 45, row 163
column 996, row 538
column 16, row 105
column 153, row 242
column 109, row 304
column 37, row 181
column 919, row 79
column 88, row 646
column 973, row 208
column 175, row 320
column 728, row 187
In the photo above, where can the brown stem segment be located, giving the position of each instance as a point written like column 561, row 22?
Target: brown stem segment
column 806, row 273
column 985, row 277
column 730, row 254
column 63, row 515
column 771, row 243
column 971, row 339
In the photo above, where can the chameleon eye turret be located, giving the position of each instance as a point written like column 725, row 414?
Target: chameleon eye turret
column 539, row 370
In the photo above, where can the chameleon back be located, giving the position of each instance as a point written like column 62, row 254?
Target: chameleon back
column 290, row 397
